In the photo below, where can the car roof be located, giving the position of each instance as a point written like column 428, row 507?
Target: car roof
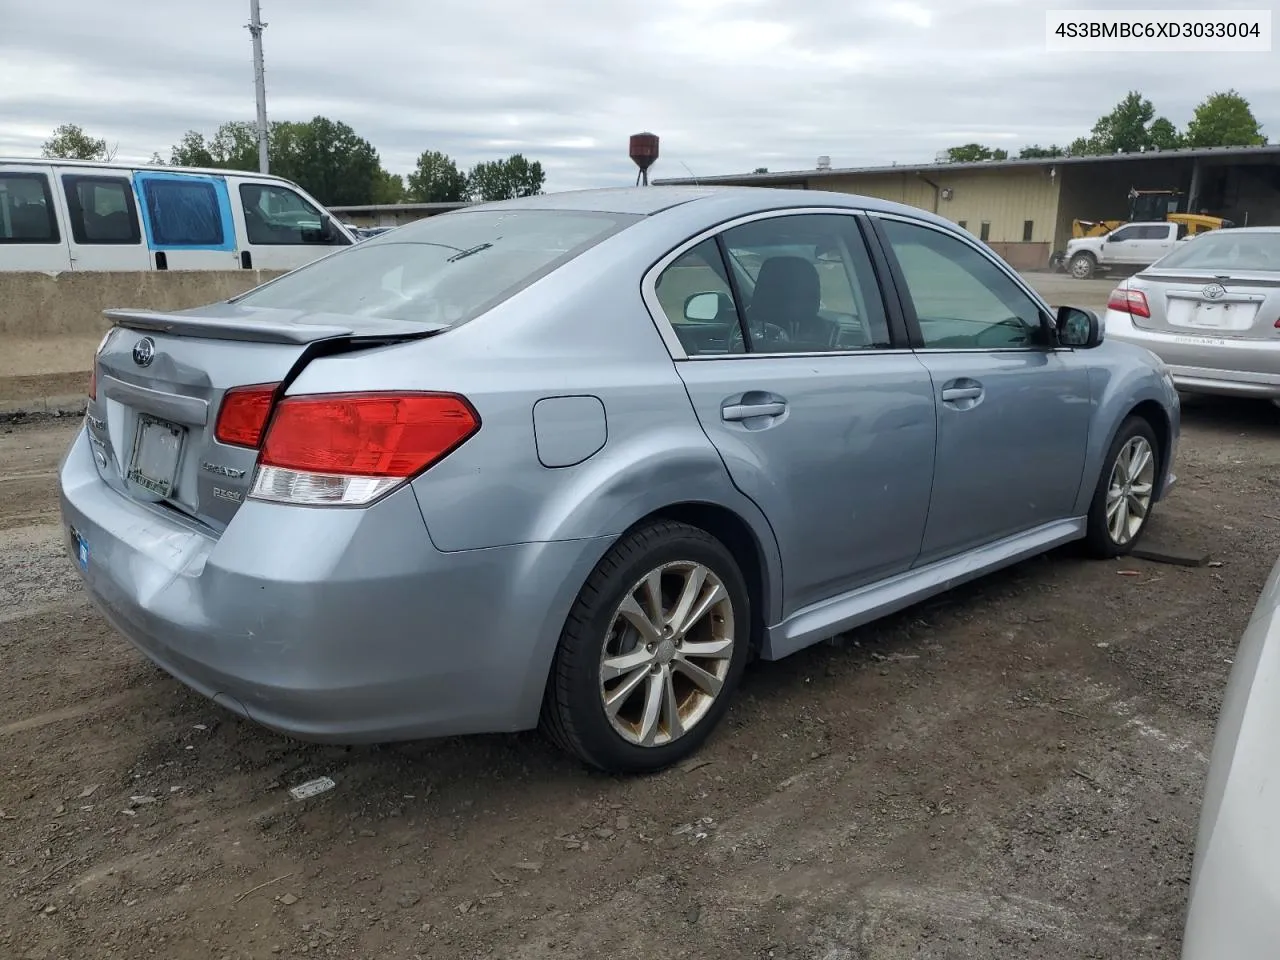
column 642, row 201
column 728, row 201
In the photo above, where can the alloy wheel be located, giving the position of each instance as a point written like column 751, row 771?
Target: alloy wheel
column 667, row 653
column 1130, row 489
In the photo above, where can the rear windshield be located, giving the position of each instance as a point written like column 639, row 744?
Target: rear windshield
column 445, row 269
column 1226, row 250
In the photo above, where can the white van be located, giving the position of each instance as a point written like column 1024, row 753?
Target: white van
column 84, row 215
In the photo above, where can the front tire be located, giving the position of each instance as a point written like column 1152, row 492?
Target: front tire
column 1083, row 266
column 1125, row 494
column 651, row 652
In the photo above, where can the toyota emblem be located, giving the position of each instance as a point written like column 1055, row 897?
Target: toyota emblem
column 144, row 351
column 1213, row 291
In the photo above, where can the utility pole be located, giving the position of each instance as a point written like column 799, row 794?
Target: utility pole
column 256, row 27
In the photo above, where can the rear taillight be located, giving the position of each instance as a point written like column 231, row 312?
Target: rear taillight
column 1133, row 302
column 93, row 369
column 349, row 449
column 244, row 413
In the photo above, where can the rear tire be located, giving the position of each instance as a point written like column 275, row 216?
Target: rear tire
column 1125, row 495
column 1083, row 266
column 640, row 678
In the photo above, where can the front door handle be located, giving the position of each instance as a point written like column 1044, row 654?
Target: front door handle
column 745, row 411
column 961, row 393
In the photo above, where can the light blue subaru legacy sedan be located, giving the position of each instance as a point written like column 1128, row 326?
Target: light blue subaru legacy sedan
column 570, row 461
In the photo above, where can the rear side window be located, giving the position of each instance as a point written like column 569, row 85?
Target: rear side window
column 184, row 213
column 26, row 209
column 446, row 269
column 276, row 216
column 808, row 285
column 102, row 210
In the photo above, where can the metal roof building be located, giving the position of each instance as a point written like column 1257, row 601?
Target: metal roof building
column 1024, row 208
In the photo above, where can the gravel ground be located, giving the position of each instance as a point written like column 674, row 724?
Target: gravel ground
column 1010, row 771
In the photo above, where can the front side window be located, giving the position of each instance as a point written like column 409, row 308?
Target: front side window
column 443, row 270
column 962, row 300
column 184, row 213
column 102, row 210
column 274, row 215
column 26, row 209
column 807, row 285
column 1124, row 233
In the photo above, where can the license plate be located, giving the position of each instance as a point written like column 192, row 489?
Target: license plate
column 81, row 549
column 1210, row 315
column 1201, row 315
column 156, row 450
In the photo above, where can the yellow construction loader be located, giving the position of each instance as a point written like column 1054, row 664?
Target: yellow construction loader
column 1147, row 206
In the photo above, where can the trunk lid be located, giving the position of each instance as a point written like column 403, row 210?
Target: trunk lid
column 1211, row 304
column 161, row 379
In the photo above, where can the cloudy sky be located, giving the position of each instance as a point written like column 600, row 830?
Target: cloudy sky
column 728, row 85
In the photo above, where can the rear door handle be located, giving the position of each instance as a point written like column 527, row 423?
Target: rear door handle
column 745, row 411
column 961, row 393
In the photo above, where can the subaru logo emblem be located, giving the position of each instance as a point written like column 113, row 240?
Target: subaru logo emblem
column 1213, row 291
column 144, row 351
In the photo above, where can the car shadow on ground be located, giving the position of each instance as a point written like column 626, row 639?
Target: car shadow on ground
column 1259, row 417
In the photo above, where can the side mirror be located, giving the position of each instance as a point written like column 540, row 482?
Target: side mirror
column 1078, row 328
column 705, row 307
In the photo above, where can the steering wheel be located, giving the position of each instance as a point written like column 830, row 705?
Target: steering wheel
column 762, row 336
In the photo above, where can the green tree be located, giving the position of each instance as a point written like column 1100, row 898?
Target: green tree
column 191, row 151
column 389, row 188
column 505, row 179
column 760, row 170
column 234, row 146
column 1035, row 151
column 1163, row 134
column 325, row 157
column 1079, row 147
column 1125, row 127
column 436, row 179
column 969, row 153
column 156, row 160
column 1224, row 120
column 70, row 142
column 1131, row 126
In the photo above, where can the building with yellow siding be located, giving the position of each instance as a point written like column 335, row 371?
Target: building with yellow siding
column 1025, row 208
